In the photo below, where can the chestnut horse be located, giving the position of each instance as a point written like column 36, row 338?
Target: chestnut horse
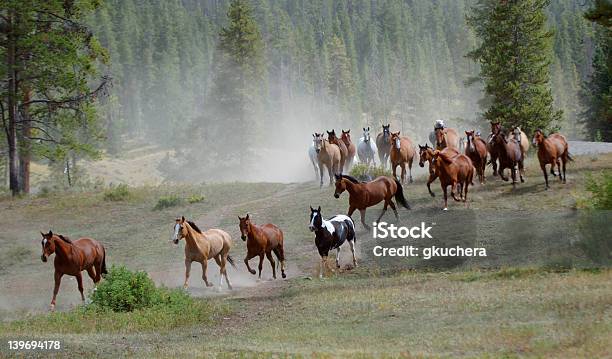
column 383, row 144
column 332, row 138
column 328, row 155
column 202, row 246
column 402, row 152
column 552, row 149
column 509, row 154
column 454, row 170
column 367, row 194
column 350, row 146
column 446, row 137
column 73, row 257
column 476, row 150
column 426, row 155
column 260, row 241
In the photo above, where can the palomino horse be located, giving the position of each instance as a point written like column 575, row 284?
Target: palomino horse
column 551, row 149
column 73, row 257
column 509, row 154
column 312, row 154
column 202, row 246
column 446, row 137
column 520, row 137
column 366, row 150
column 363, row 195
column 260, row 241
column 454, row 170
column 332, row 138
column 476, row 150
column 328, row 155
column 350, row 146
column 402, row 152
column 383, row 143
column 331, row 234
column 426, row 154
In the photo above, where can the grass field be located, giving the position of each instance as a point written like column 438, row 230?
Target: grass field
column 512, row 305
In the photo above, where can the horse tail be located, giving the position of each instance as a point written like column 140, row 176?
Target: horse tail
column 399, row 195
column 103, row 268
column 231, row 261
column 569, row 157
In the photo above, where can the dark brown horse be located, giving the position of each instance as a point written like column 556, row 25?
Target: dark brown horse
column 495, row 129
column 367, row 194
column 383, row 143
column 260, row 241
column 402, row 153
column 350, row 146
column 426, row 154
column 454, row 171
column 509, row 154
column 476, row 150
column 332, row 138
column 73, row 257
column 552, row 150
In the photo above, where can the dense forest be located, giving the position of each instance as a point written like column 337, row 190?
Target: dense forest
column 310, row 66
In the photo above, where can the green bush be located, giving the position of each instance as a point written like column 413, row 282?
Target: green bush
column 167, row 202
column 364, row 173
column 125, row 291
column 195, row 198
column 120, row 192
column 601, row 191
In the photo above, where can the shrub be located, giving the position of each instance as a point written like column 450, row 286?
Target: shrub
column 195, row 198
column 366, row 173
column 167, row 202
column 120, row 192
column 601, row 191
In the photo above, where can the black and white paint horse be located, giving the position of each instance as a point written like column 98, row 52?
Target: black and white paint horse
column 331, row 234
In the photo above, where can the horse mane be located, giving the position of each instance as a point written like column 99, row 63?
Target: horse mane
column 446, row 157
column 64, row 238
column 194, row 226
column 352, row 179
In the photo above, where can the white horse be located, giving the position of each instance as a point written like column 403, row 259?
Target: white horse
column 366, row 149
column 312, row 154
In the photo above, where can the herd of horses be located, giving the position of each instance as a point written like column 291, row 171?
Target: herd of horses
column 503, row 149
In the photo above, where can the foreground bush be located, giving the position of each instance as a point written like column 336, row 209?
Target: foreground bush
column 367, row 173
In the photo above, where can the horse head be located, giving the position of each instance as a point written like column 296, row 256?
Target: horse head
column 245, row 227
column 318, row 141
column 386, row 131
column 180, row 230
column 340, row 186
column 346, row 136
column 424, row 154
column 396, row 140
column 495, row 126
column 538, row 137
column 366, row 134
column 48, row 245
column 316, row 221
column 331, row 136
column 469, row 136
column 516, row 132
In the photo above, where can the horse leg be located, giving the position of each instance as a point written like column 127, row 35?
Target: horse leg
column 362, row 212
column 543, row 166
column 79, row 279
column 272, row 263
column 393, row 208
column 218, row 259
column 338, row 257
column 58, row 281
column 403, row 167
column 204, row 264
column 323, row 261
column 394, row 170
column 187, row 272
column 246, row 261
column 410, row 169
column 432, row 177
column 559, row 169
column 321, row 174
column 521, row 170
column 92, row 274
column 454, row 191
column 564, row 176
column 383, row 211
column 444, row 189
column 280, row 255
column 261, row 258
column 352, row 245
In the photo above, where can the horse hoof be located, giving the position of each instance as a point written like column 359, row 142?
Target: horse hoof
column 209, row 285
column 445, row 209
column 284, row 275
column 252, row 272
column 52, row 308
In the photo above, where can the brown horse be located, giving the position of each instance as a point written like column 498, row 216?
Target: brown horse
column 202, row 246
column 476, row 150
column 446, row 137
column 426, row 155
column 383, row 143
column 402, row 152
column 73, row 257
column 552, row 149
column 454, row 170
column 260, row 241
column 495, row 128
column 350, row 146
column 367, row 194
column 332, row 138
column 329, row 156
column 509, row 154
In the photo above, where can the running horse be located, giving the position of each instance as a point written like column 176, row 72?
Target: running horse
column 509, row 154
column 446, row 137
column 73, row 257
column 402, row 153
column 476, row 150
column 495, row 128
column 426, row 154
column 312, row 154
column 366, row 150
column 383, row 144
column 260, row 241
column 552, row 149
column 456, row 171
column 351, row 148
column 332, row 138
column 202, row 246
column 331, row 234
column 367, row 194
column 328, row 155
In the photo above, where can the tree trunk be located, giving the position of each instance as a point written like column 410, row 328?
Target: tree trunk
column 11, row 63
column 25, row 148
